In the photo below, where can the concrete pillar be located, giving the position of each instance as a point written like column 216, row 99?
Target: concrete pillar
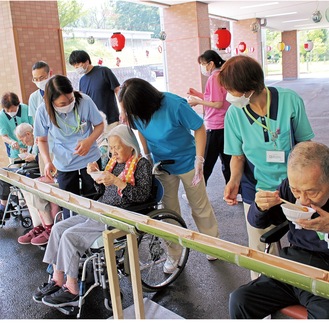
column 29, row 32
column 188, row 36
column 290, row 59
column 242, row 33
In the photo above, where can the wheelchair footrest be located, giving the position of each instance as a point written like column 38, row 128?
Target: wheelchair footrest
column 69, row 310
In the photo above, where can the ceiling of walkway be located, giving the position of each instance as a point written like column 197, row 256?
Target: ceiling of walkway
column 279, row 15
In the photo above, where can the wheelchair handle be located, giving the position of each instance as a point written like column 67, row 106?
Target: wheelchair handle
column 158, row 166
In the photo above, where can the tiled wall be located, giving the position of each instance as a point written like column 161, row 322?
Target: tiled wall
column 242, row 33
column 290, row 61
column 29, row 32
column 187, row 28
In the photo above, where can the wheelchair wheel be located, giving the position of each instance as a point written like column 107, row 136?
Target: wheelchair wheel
column 153, row 252
column 26, row 222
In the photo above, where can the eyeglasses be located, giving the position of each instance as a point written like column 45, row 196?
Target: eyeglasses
column 40, row 79
column 311, row 194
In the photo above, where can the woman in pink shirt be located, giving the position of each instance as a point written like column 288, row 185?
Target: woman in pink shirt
column 214, row 109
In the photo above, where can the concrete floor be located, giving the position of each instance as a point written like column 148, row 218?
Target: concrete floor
column 201, row 292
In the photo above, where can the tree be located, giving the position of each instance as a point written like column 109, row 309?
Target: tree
column 133, row 16
column 69, row 12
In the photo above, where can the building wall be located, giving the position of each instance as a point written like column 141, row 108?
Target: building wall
column 32, row 33
column 290, row 59
column 29, row 32
column 242, row 33
column 187, row 29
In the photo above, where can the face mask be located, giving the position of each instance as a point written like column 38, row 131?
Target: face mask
column 11, row 113
column 239, row 102
column 81, row 70
column 65, row 109
column 204, row 70
column 42, row 84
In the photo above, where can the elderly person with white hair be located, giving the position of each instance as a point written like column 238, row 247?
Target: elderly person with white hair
column 42, row 211
column 127, row 179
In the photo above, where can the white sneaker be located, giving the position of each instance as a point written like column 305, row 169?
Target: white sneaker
column 239, row 198
column 170, row 265
column 211, row 258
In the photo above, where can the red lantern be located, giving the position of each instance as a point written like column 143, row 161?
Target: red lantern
column 100, row 61
column 308, row 46
column 242, row 47
column 118, row 41
column 223, row 38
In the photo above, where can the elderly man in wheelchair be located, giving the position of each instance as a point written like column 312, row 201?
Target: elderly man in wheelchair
column 127, row 179
column 307, row 185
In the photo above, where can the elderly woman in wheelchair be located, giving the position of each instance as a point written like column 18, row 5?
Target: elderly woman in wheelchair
column 127, row 179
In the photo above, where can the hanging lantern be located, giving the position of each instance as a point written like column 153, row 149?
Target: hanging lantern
column 100, row 61
column 287, row 48
column 316, row 16
column 251, row 49
column 223, row 38
column 255, row 27
column 308, row 46
column 118, row 41
column 118, row 61
column 162, row 35
column 268, row 48
column 281, row 46
column 91, row 40
column 242, row 47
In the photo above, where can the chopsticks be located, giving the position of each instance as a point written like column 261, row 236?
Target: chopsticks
column 304, row 209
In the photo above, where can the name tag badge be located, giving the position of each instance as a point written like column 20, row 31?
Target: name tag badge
column 275, row 156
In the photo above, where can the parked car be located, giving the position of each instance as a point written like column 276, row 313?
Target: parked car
column 157, row 69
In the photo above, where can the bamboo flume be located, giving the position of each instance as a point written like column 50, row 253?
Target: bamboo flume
column 299, row 275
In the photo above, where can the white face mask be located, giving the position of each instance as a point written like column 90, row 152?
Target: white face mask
column 204, row 70
column 42, row 84
column 65, row 109
column 12, row 113
column 239, row 102
column 81, row 70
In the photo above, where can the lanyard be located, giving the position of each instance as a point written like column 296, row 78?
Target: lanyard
column 74, row 129
column 274, row 136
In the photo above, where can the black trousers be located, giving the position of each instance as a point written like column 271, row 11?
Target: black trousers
column 264, row 296
column 215, row 149
column 70, row 181
column 4, row 190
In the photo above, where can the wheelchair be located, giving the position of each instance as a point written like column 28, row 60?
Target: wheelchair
column 16, row 205
column 273, row 236
column 153, row 252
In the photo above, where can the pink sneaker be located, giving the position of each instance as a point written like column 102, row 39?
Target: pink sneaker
column 26, row 239
column 41, row 239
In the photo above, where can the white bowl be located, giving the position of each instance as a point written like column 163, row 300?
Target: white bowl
column 23, row 155
column 96, row 174
column 293, row 213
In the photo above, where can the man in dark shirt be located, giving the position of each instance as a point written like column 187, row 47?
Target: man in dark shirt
column 308, row 185
column 99, row 83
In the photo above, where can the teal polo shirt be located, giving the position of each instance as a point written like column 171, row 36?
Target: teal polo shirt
column 8, row 125
column 243, row 136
